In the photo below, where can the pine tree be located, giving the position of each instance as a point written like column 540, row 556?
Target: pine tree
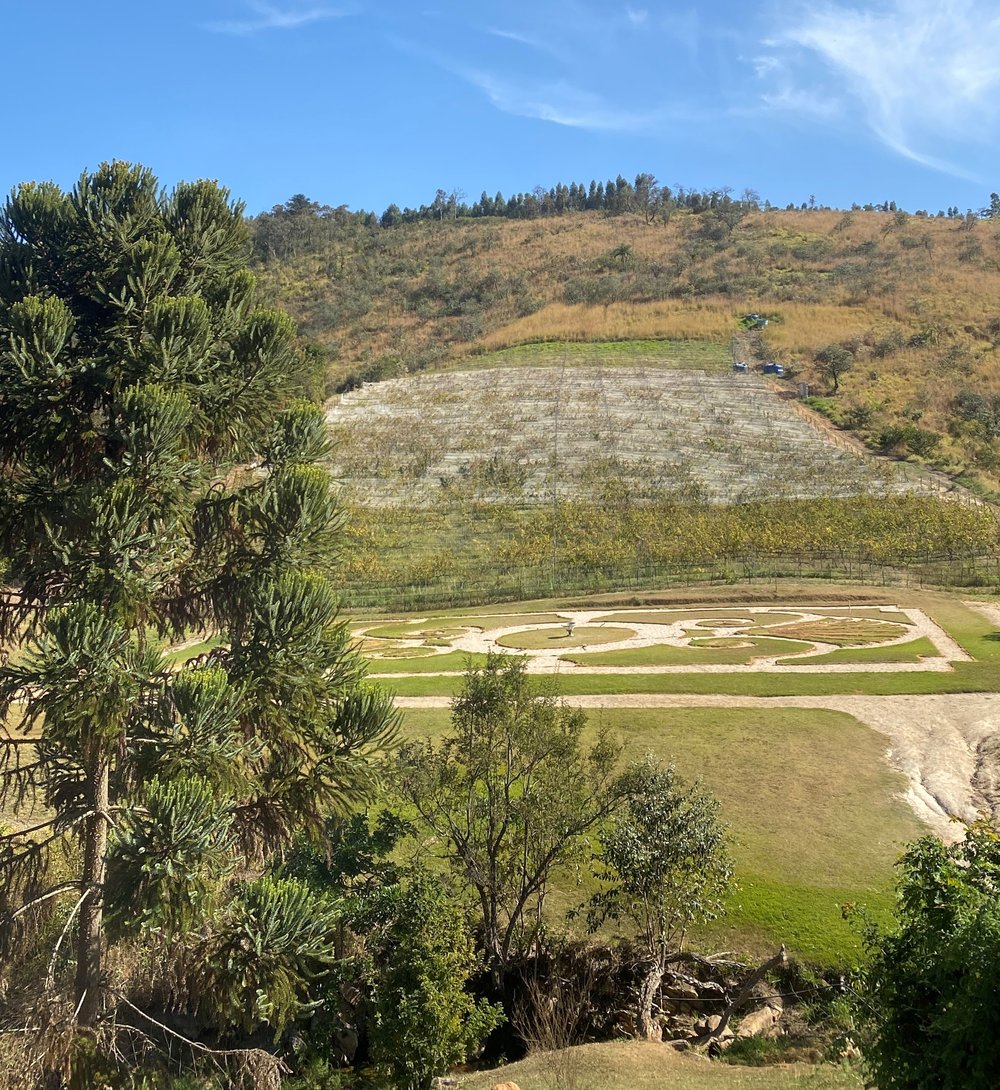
column 157, row 482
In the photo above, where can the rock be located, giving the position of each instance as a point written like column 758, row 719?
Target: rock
column 347, row 1042
column 505, row 1086
column 680, row 1045
column 759, row 1023
column 710, row 992
column 704, row 1026
column 682, row 992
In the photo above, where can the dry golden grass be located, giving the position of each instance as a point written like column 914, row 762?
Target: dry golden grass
column 928, row 287
column 645, row 1065
column 844, row 631
column 677, row 320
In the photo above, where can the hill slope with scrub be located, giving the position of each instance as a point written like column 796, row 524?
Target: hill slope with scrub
column 890, row 318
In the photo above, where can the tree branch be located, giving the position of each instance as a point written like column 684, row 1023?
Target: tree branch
column 53, row 892
column 50, row 975
column 779, row 959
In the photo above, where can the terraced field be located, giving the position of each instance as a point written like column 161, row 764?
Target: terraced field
column 534, row 434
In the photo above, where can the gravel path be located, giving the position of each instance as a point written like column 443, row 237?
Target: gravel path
column 940, row 743
column 540, row 661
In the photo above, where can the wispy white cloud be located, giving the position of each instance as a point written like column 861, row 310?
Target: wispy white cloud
column 921, row 73
column 557, row 101
column 593, row 46
column 530, row 41
column 515, row 36
column 263, row 16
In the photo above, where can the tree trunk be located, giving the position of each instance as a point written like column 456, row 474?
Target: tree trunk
column 779, row 960
column 649, row 1028
column 89, row 941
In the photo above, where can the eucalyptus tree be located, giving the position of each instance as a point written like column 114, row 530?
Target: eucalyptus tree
column 510, row 795
column 665, row 864
column 156, row 481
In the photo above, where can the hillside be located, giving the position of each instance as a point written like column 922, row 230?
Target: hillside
column 907, row 302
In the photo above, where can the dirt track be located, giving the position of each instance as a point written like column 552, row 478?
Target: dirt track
column 940, row 743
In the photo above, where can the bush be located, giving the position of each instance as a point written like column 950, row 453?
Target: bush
column 928, row 998
column 908, row 437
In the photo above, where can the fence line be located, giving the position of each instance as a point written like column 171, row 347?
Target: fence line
column 537, row 580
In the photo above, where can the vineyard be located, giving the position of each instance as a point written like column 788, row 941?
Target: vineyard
column 590, row 467
column 535, row 434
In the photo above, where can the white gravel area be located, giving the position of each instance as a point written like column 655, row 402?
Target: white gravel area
column 540, row 661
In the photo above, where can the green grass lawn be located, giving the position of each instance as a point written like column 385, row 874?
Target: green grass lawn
column 913, row 651
column 664, row 616
column 415, row 631
column 665, row 655
column 811, row 804
column 556, row 639
column 175, row 658
column 451, row 660
column 707, row 355
column 966, row 677
column 969, row 629
column 453, row 624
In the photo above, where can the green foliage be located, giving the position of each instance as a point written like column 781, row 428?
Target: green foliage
column 929, row 987
column 168, row 856
column 423, row 1020
column 405, row 947
column 353, row 857
column 159, row 480
column 760, row 1051
column 919, row 441
column 834, row 362
column 405, row 558
column 275, row 938
column 663, row 859
column 509, row 795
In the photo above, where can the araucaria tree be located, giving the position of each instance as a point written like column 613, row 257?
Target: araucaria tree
column 666, row 865
column 156, row 481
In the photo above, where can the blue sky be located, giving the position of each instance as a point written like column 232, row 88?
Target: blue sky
column 362, row 102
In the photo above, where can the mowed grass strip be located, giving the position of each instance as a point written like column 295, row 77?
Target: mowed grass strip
column 914, row 651
column 648, row 1065
column 544, row 349
column 556, row 639
column 964, row 677
column 455, row 625
column 968, row 628
column 185, row 654
column 413, row 632
column 664, row 616
column 450, row 660
column 812, row 807
column 665, row 655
